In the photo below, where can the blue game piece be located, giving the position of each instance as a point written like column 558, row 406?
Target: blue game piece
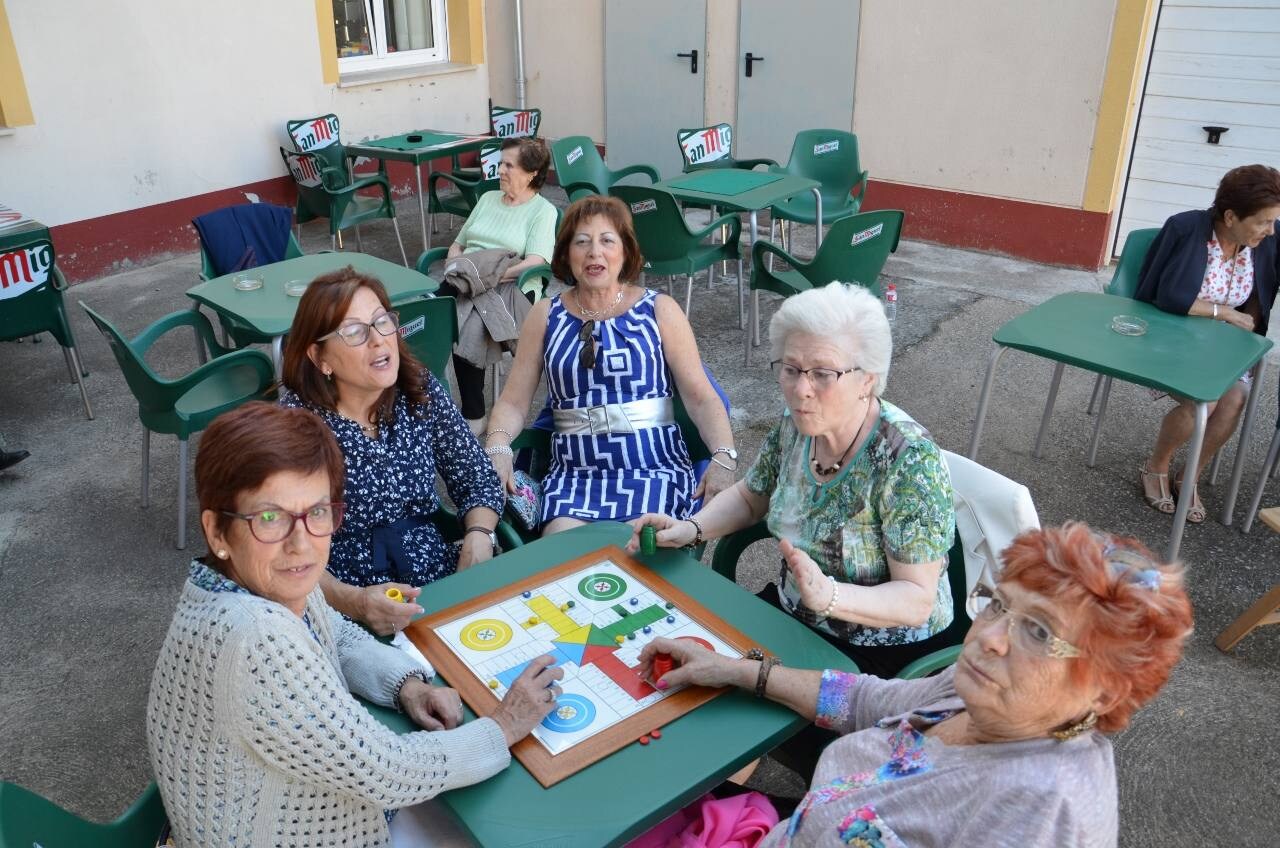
column 526, row 594
column 648, row 629
column 634, row 601
column 671, row 619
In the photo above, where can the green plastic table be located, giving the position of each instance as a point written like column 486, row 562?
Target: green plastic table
column 432, row 145
column 1184, row 356
column 736, row 190
column 270, row 311
column 629, row 791
column 16, row 228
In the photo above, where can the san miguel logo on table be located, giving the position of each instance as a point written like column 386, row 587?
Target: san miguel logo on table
column 513, row 123
column 706, row 145
column 304, row 170
column 25, row 269
column 316, row 134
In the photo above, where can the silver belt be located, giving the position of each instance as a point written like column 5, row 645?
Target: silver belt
column 611, row 418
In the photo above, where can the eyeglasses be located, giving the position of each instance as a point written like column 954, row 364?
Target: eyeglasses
column 820, row 378
column 586, row 335
column 356, row 333
column 273, row 524
column 1028, row 633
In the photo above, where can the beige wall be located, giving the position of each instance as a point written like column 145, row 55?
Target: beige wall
column 722, row 61
column 983, row 96
column 563, row 61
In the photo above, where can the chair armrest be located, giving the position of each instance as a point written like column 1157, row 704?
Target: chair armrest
column 761, row 247
column 508, row 538
column 724, row 561
column 369, row 182
column 430, row 257
column 749, row 164
column 527, row 282
column 930, row 663
column 186, row 318
column 730, row 220
column 460, row 183
column 244, row 356
column 648, row 170
column 573, row 188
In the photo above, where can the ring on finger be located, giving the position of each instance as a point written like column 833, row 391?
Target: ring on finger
column 551, row 696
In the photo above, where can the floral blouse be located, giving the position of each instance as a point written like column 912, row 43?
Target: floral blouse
column 1227, row 281
column 894, row 495
column 391, row 480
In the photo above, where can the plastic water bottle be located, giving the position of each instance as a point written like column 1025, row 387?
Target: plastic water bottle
column 891, row 302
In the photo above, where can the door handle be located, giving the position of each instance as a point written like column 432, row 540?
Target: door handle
column 692, row 56
column 750, row 59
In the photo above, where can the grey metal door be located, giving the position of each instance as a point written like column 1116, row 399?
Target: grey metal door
column 803, row 55
column 650, row 90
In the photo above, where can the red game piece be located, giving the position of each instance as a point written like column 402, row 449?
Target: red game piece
column 655, row 733
column 662, row 663
column 644, row 740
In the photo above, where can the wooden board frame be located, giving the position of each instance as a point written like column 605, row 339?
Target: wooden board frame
column 549, row 769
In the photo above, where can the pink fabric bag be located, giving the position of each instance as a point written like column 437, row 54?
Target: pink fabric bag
column 739, row 821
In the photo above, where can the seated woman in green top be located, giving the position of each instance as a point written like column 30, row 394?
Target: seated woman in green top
column 514, row 218
column 855, row 490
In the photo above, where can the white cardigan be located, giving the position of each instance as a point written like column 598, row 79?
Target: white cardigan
column 256, row 739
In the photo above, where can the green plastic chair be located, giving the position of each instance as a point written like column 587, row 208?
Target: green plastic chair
column 667, row 243
column 468, row 183
column 187, row 404
column 712, row 147
column 504, row 122
column 451, row 530
column 430, row 328
column 40, row 307
column 582, row 172
column 728, row 550
column 831, row 158
column 27, row 820
column 232, row 330
column 327, row 191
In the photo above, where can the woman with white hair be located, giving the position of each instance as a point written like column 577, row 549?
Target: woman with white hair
column 855, row 490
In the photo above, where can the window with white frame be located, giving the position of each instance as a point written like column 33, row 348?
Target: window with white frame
column 375, row 34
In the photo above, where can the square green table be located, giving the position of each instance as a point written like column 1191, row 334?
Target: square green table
column 631, row 790
column 432, row 145
column 1184, row 356
column 270, row 311
column 740, row 190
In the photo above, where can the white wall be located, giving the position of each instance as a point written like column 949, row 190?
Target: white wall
column 139, row 102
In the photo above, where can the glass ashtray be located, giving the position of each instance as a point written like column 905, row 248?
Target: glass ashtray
column 247, row 282
column 1129, row 325
column 296, row 288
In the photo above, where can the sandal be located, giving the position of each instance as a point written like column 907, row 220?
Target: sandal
column 1196, row 512
column 1163, row 503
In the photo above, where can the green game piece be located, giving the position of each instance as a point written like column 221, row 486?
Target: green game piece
column 649, row 540
column 571, row 605
column 670, row 605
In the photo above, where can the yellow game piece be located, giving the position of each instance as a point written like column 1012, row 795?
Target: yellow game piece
column 493, row 684
column 619, row 639
column 533, row 619
column 394, row 594
column 564, row 608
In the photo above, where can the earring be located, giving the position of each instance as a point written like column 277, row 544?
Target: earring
column 1082, row 726
column 222, row 554
column 328, row 375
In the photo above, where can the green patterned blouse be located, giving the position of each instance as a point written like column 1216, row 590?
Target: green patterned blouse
column 893, row 496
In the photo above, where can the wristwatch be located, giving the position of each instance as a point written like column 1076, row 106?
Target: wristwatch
column 493, row 537
column 729, row 452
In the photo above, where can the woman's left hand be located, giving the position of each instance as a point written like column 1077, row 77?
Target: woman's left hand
column 476, row 548
column 716, row 480
column 806, row 576
column 432, row 707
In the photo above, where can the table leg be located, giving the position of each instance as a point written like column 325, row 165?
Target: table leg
column 433, row 215
column 1097, row 422
column 422, row 209
column 976, row 438
column 277, row 356
column 1058, row 368
column 753, row 322
column 1263, row 475
column 817, row 203
column 1189, row 475
column 1246, row 430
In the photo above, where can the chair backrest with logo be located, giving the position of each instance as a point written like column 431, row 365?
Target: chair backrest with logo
column 515, row 123
column 31, row 293
column 705, row 145
column 319, row 136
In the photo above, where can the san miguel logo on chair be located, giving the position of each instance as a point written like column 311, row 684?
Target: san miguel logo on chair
column 706, row 145
column 25, row 269
column 513, row 123
column 489, row 163
column 867, row 234
column 642, row 206
column 316, row 134
column 304, row 170
column 826, row 147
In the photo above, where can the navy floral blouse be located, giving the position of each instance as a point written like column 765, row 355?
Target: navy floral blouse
column 391, row 488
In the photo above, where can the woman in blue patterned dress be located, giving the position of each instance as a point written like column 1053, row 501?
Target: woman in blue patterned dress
column 398, row 428
column 613, row 354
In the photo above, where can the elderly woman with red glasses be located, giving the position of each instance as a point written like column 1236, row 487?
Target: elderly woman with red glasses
column 855, row 490
column 254, row 732
column 1006, row 747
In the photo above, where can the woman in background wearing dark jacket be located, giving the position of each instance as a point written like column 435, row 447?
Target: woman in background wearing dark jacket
column 1220, row 263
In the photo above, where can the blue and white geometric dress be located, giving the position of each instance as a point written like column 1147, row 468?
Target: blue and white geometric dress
column 620, row 476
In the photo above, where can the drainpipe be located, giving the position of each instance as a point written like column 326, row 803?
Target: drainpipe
column 520, row 54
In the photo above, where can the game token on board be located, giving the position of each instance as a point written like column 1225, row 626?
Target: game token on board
column 649, row 540
column 395, row 594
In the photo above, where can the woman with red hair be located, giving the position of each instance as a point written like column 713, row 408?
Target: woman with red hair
column 1005, row 747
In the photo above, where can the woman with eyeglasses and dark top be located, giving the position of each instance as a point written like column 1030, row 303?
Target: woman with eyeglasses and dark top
column 613, row 353
column 398, row 428
column 253, row 728
column 856, row 492
column 1075, row 633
